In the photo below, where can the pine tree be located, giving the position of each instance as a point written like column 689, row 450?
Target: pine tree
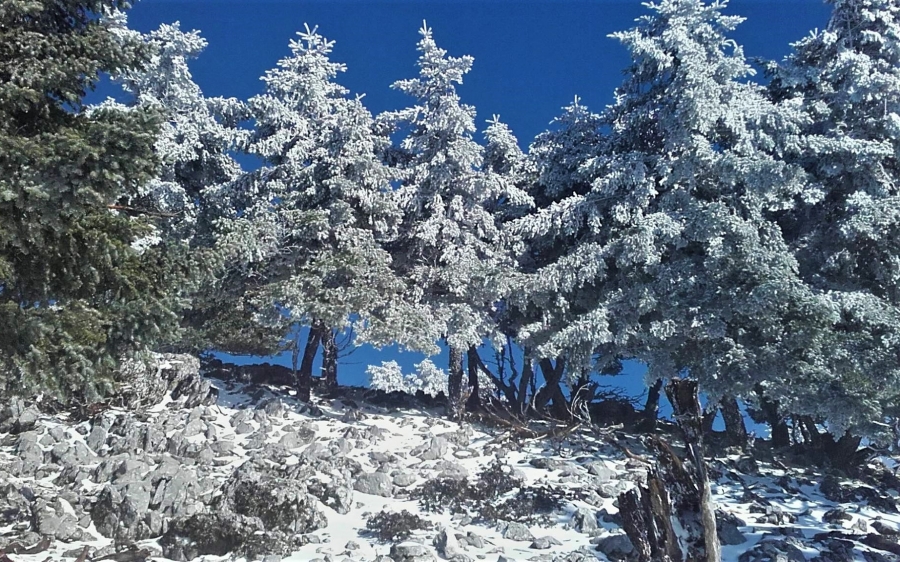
column 845, row 81
column 79, row 287
column 448, row 244
column 194, row 184
column 670, row 256
column 321, row 206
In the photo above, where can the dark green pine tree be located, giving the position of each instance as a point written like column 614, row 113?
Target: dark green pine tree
column 82, row 282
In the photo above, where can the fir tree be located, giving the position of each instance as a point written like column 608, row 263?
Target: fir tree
column 79, row 287
column 845, row 81
column 311, row 236
column 448, row 244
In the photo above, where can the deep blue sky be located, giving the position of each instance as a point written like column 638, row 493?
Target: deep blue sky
column 531, row 58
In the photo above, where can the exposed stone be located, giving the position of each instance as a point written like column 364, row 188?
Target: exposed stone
column 448, row 547
column 727, row 528
column 17, row 416
column 616, row 547
column 516, row 532
column 374, row 483
column 584, row 520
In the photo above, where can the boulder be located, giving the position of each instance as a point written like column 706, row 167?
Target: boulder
column 18, row 416
column 585, row 521
column 374, row 483
column 516, row 532
column 616, row 547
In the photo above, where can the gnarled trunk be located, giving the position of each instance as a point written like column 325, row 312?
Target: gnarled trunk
column 527, row 377
column 474, row 363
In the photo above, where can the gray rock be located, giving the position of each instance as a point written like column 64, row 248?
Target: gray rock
column 18, row 417
column 96, row 439
column 516, row 532
column 773, row 550
column 543, row 543
column 447, row 546
column 727, row 529
column 52, row 520
column 603, row 470
column 404, row 479
column 616, row 547
column 434, row 450
column 585, row 521
column 374, row 483
column 411, row 552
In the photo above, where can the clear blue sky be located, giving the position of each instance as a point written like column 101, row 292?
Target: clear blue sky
column 531, row 58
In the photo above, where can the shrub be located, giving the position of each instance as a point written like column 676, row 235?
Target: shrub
column 391, row 526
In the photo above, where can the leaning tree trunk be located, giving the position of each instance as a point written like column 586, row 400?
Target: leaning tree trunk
column 524, row 381
column 454, row 382
column 304, row 375
column 683, row 394
column 551, row 391
column 329, row 359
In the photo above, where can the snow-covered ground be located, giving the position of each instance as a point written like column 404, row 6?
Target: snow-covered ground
column 133, row 475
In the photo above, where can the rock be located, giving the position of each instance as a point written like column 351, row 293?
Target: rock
column 447, row 546
column 727, row 528
column 410, row 552
column 18, row 417
column 374, row 483
column 120, row 513
column 543, row 543
column 603, row 470
column 96, row 439
column 53, row 520
column 616, row 547
column 773, row 550
column 434, row 450
column 547, row 463
column 584, row 521
column 404, row 479
column 836, row 516
column 516, row 532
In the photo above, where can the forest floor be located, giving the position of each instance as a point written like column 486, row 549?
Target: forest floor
column 235, row 470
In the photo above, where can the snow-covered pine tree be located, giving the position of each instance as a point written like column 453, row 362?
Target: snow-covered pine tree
column 191, row 188
column 843, row 228
column 448, row 241
column 551, row 173
column 322, row 203
column 672, row 259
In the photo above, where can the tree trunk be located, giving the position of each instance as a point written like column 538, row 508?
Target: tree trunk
column 781, row 434
column 735, row 430
column 304, row 375
column 329, row 359
column 454, row 382
column 842, row 452
column 683, row 394
column 527, row 376
column 647, row 519
column 474, row 401
column 552, row 376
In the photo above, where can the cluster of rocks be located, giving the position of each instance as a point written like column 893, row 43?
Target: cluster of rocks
column 163, row 462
